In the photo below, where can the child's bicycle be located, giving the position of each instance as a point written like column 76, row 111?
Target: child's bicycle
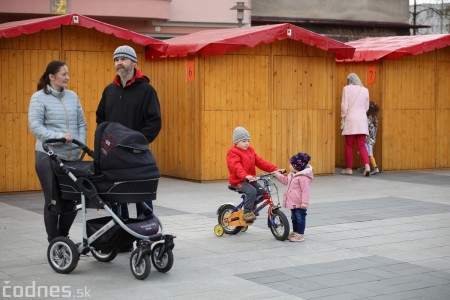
column 230, row 216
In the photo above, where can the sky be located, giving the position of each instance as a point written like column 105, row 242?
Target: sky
column 411, row 2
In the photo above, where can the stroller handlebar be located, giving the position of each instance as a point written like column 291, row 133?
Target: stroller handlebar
column 45, row 145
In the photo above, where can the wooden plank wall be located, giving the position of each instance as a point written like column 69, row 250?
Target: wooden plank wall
column 410, row 113
column 177, row 148
column 23, row 61
column 443, row 109
column 286, row 93
column 375, row 94
column 281, row 93
column 88, row 55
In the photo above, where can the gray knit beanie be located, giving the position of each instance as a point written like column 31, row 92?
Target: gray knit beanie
column 125, row 51
column 240, row 134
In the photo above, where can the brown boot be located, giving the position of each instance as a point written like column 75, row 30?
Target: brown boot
column 249, row 217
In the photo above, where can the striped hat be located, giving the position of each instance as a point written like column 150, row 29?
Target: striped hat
column 125, row 51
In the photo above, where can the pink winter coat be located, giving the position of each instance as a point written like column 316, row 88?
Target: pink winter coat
column 298, row 186
column 354, row 105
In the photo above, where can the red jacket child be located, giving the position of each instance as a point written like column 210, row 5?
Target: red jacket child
column 242, row 163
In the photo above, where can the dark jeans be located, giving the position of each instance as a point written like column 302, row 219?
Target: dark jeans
column 251, row 190
column 55, row 225
column 124, row 209
column 298, row 216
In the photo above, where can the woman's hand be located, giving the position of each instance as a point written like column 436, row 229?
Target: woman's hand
column 68, row 137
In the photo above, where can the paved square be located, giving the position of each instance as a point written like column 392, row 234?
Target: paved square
column 383, row 237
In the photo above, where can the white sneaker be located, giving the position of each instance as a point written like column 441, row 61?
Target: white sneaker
column 374, row 171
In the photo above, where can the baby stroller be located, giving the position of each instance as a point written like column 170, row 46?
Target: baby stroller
column 123, row 171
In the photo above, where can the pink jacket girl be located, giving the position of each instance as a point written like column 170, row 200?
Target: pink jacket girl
column 298, row 187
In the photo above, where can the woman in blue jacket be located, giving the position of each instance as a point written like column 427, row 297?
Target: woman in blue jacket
column 54, row 113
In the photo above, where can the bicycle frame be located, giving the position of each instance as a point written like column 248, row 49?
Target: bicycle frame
column 260, row 202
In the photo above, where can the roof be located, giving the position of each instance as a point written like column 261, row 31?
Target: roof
column 221, row 41
column 395, row 47
column 14, row 29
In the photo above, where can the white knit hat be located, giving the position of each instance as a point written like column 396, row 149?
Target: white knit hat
column 240, row 134
column 125, row 51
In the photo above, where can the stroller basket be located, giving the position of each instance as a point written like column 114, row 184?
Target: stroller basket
column 117, row 237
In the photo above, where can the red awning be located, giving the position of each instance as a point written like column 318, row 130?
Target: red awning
column 220, row 41
column 395, row 47
column 13, row 29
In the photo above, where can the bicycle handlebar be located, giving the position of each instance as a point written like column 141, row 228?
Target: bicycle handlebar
column 262, row 176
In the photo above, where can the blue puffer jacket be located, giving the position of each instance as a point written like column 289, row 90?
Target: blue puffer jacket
column 51, row 116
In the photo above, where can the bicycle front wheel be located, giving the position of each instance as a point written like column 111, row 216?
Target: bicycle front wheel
column 278, row 224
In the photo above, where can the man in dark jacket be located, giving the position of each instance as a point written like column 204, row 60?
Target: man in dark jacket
column 131, row 101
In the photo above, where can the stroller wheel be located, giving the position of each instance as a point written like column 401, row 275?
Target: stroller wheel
column 104, row 255
column 62, row 255
column 162, row 258
column 140, row 269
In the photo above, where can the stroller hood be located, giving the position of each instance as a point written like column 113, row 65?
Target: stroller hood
column 123, row 154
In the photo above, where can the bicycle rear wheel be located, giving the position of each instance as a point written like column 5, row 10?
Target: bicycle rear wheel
column 225, row 211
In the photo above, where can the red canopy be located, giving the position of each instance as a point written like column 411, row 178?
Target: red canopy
column 13, row 29
column 220, row 41
column 395, row 47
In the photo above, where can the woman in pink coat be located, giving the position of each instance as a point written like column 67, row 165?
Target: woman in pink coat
column 296, row 196
column 354, row 106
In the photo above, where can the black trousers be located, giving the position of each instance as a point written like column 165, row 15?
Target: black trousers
column 55, row 224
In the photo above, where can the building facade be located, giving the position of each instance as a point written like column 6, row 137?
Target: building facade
column 156, row 18
column 343, row 20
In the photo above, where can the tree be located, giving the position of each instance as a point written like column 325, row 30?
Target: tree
column 431, row 13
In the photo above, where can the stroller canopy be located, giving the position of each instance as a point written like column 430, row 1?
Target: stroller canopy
column 123, row 154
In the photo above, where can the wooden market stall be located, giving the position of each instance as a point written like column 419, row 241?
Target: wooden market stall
column 275, row 80
column 408, row 77
column 26, row 47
